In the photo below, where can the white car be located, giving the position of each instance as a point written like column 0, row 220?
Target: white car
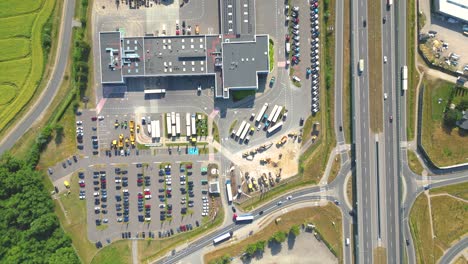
column 101, row 118
column 385, row 59
column 296, row 38
column 79, row 123
column 96, row 194
column 296, row 8
column 385, row 96
column 118, row 181
column 296, row 26
column 162, row 206
column 148, row 196
column 295, row 32
column 105, row 220
column 289, row 197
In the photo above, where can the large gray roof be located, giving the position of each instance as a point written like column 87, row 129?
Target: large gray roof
column 110, row 57
column 243, row 60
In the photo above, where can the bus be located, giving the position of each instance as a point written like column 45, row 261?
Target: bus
column 245, row 218
column 261, row 113
column 404, row 78
column 229, row 191
column 223, row 237
column 361, row 65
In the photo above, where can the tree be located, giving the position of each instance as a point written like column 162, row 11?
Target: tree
column 64, row 255
column 278, row 237
column 295, row 230
column 251, row 249
column 451, row 117
column 463, row 105
column 261, row 245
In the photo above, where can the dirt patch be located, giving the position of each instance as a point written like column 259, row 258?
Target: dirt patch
column 278, row 160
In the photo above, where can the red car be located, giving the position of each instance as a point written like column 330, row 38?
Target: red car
column 147, row 205
column 296, row 20
column 140, row 196
column 147, row 193
column 93, row 118
column 316, row 4
column 177, row 32
column 287, row 37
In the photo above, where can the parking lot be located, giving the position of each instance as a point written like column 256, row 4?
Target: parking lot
column 161, row 198
column 449, row 36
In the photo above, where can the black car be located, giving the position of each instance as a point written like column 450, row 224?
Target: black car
column 364, row 23
column 64, row 165
column 75, row 158
column 97, row 201
column 384, row 20
column 234, row 209
column 260, row 213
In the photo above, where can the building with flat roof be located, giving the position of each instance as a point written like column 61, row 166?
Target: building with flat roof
column 457, row 9
column 235, row 58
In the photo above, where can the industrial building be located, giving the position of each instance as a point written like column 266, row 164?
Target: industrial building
column 457, row 9
column 234, row 58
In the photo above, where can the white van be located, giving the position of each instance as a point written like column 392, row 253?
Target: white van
column 297, row 79
column 347, row 242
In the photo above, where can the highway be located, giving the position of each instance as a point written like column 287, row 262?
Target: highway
column 389, row 187
column 454, row 251
column 364, row 142
column 47, row 96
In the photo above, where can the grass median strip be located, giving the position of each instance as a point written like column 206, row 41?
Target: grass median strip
column 375, row 66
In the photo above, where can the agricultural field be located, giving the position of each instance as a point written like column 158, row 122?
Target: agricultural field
column 21, row 54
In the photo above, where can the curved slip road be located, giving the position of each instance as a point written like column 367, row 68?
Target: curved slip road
column 46, row 97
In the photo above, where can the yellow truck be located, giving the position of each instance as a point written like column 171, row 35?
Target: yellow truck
column 132, row 138
column 121, row 143
column 138, row 129
column 132, row 126
column 114, row 143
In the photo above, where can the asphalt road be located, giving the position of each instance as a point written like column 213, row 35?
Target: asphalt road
column 52, row 87
column 454, row 251
column 389, row 160
column 364, row 143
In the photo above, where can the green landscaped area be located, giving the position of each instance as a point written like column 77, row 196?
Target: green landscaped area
column 375, row 66
column 271, row 54
column 413, row 76
column 414, row 162
column 459, row 190
column 21, row 53
column 449, row 223
column 445, row 146
column 241, row 94
column 321, row 217
column 116, row 253
column 74, row 221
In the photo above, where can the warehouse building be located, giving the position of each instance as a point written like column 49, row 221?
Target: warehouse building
column 234, row 58
column 456, row 9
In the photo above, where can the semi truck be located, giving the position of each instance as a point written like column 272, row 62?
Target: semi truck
column 404, row 78
column 272, row 114
column 261, row 113
column 178, row 124
column 277, row 114
column 168, row 124
column 193, row 124
column 241, row 128
column 361, row 65
column 244, row 132
column 275, row 127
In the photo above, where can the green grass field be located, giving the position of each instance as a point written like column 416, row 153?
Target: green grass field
column 445, row 147
column 10, row 8
column 459, row 190
column 17, row 26
column 450, row 218
column 15, row 48
column 8, row 93
column 21, row 55
column 117, row 253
